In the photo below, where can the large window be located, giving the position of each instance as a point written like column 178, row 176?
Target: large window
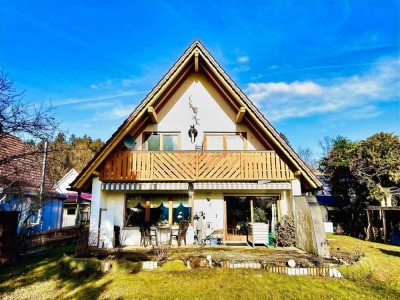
column 225, row 141
column 154, row 209
column 160, row 141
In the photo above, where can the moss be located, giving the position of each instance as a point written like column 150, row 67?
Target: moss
column 124, row 266
column 174, row 265
column 84, row 265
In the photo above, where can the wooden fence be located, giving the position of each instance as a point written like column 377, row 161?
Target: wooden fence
column 37, row 241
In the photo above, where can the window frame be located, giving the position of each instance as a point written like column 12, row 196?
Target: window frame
column 168, row 203
column 225, row 139
column 161, row 134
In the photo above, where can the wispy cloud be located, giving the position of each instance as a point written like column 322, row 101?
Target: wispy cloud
column 356, row 96
column 96, row 98
column 243, row 59
column 243, row 64
column 105, row 84
column 118, row 112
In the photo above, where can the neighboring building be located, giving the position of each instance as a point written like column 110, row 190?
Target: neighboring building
column 72, row 212
column 20, row 181
column 196, row 145
column 329, row 210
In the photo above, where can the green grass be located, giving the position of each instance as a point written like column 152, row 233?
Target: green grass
column 376, row 275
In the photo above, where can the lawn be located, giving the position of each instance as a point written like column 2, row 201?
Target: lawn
column 375, row 275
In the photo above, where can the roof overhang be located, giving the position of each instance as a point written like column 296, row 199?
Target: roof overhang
column 198, row 55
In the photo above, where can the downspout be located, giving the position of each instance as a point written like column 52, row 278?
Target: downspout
column 43, row 179
column 78, row 214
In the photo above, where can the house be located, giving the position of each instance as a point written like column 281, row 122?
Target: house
column 196, row 147
column 332, row 215
column 76, row 209
column 20, row 187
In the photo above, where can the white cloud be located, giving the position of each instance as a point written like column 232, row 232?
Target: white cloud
column 243, row 59
column 260, row 91
column 356, row 96
column 105, row 84
column 129, row 82
column 119, row 112
column 96, row 98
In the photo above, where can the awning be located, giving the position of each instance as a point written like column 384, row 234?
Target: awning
column 146, row 186
column 241, row 186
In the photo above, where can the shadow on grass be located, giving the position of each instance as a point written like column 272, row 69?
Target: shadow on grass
column 45, row 267
column 390, row 252
column 81, row 286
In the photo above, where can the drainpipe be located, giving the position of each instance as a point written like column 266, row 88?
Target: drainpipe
column 78, row 214
column 43, row 179
column 98, row 228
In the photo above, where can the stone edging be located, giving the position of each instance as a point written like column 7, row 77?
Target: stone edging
column 313, row 271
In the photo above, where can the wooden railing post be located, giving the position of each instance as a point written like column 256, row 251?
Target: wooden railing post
column 152, row 166
column 241, row 165
column 197, row 166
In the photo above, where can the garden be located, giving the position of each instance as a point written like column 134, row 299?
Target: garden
column 370, row 270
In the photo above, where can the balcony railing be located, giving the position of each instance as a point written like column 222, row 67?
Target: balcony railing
column 131, row 166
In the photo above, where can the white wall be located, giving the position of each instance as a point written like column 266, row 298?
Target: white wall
column 64, row 183
column 98, row 201
column 214, row 114
column 68, row 220
column 213, row 209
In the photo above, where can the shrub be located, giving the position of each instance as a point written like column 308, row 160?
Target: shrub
column 161, row 251
column 174, row 265
column 362, row 270
column 124, row 266
column 259, row 215
column 285, row 233
column 218, row 257
column 81, row 265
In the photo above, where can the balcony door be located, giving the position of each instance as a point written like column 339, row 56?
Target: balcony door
column 237, row 215
column 235, row 141
column 161, row 141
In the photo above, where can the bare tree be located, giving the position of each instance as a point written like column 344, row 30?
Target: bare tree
column 326, row 145
column 21, row 183
column 23, row 118
column 307, row 155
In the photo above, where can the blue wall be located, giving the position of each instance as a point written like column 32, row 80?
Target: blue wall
column 51, row 217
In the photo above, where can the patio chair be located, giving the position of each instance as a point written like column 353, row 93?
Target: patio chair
column 180, row 234
column 146, row 234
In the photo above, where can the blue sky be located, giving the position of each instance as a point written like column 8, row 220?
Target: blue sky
column 314, row 68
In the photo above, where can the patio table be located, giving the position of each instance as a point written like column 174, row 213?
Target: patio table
column 164, row 234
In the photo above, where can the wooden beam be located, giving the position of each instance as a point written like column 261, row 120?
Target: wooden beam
column 383, row 208
column 240, row 115
column 297, row 173
column 152, row 114
column 196, row 61
column 96, row 173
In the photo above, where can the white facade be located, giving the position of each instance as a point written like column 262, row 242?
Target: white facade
column 216, row 116
column 64, row 183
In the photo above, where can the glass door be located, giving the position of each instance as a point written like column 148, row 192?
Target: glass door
column 238, row 214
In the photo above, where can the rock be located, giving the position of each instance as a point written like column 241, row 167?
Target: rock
column 291, row 263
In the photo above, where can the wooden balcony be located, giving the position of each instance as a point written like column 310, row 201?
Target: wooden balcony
column 129, row 166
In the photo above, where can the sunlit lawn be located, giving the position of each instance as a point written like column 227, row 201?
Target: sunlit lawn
column 377, row 275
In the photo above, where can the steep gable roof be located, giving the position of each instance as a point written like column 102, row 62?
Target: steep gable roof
column 197, row 58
